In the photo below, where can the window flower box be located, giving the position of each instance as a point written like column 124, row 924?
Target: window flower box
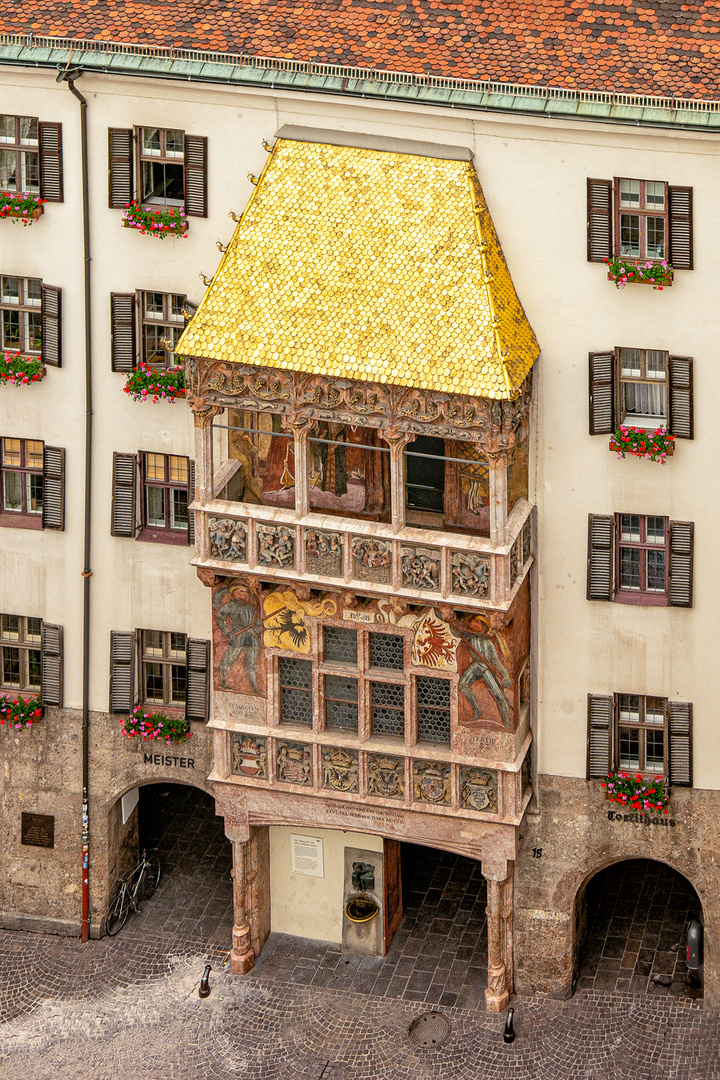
column 17, row 370
column 23, row 208
column 637, row 793
column 155, row 726
column 147, row 383
column 20, row 712
column 642, row 442
column 156, row 221
column 636, row 272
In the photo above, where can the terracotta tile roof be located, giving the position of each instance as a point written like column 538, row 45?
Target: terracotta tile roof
column 660, row 47
column 390, row 271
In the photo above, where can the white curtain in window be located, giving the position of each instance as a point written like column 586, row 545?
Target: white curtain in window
column 644, row 399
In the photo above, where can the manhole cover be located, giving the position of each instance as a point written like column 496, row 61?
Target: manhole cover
column 430, row 1029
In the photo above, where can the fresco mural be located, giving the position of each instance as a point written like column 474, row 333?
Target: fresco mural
column 237, row 630
column 265, row 448
column 285, row 626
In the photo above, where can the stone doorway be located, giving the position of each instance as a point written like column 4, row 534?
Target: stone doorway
column 632, row 920
column 193, row 902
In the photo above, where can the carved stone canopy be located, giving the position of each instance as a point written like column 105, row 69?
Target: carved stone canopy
column 396, row 410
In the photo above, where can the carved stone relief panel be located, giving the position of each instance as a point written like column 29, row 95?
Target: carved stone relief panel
column 516, row 563
column 276, row 546
column 323, row 553
column 526, row 541
column 478, row 789
column 249, row 755
column 420, row 568
column 294, row 763
column 228, row 539
column 372, row 560
column 386, row 776
column 431, row 782
column 340, row 769
column 470, row 573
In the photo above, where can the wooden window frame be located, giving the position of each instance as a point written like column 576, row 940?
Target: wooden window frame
column 628, row 420
column 309, row 690
column 165, row 322
column 167, row 533
column 157, row 159
column 21, row 519
column 23, row 309
column 642, row 727
column 643, row 213
column 21, row 150
column 605, row 393
column 641, row 597
column 166, row 662
column 24, row 645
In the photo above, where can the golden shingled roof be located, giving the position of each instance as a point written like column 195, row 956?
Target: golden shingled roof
column 364, row 264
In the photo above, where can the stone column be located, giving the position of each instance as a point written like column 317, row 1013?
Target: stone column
column 203, row 414
column 242, row 956
column 301, row 430
column 500, row 935
column 497, row 485
column 397, row 442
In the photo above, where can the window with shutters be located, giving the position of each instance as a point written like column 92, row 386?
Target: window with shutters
column 162, row 155
column 158, row 167
column 21, row 653
column 361, row 684
column 645, row 388
column 640, row 734
column 640, row 559
column 166, row 483
column 21, row 313
column 164, row 667
column 162, row 323
column 31, row 157
column 22, row 477
column 639, row 220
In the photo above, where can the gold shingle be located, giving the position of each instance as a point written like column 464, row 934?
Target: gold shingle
column 368, row 265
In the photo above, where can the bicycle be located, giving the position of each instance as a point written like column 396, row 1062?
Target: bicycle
column 134, row 887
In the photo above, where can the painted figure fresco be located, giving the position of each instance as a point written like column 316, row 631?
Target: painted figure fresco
column 237, row 638
column 265, row 448
column 284, row 618
column 338, row 466
column 487, row 675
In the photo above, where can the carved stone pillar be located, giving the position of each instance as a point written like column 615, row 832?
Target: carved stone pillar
column 301, row 430
column 242, row 956
column 397, row 442
column 204, row 415
column 500, row 935
column 497, row 492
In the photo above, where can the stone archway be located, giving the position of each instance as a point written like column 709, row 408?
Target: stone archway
column 631, row 921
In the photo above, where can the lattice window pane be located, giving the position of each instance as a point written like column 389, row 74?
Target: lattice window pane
column 388, row 708
column 433, row 698
column 296, row 691
column 341, row 702
column 341, row 646
column 386, row 651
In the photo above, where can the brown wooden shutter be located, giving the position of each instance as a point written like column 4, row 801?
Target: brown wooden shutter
column 680, row 209
column 198, row 683
column 122, row 672
column 51, row 347
column 122, row 328
column 123, row 495
column 53, row 511
column 120, row 183
column 196, row 176
column 601, row 552
column 681, row 421
column 51, row 172
column 602, row 393
column 599, row 736
column 599, row 220
column 191, row 496
column 681, row 564
column 680, row 756
column 52, row 664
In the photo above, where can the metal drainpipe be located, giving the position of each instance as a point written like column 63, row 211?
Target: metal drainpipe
column 69, row 77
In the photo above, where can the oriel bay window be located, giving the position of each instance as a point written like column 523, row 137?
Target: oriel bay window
column 639, row 220
column 32, row 484
column 646, row 388
column 640, row 559
column 30, row 319
column 158, row 167
column 166, row 483
column 31, row 157
column 639, row 734
column 31, row 658
column 362, row 684
column 159, row 669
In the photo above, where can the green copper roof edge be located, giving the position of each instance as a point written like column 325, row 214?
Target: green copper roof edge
column 555, row 106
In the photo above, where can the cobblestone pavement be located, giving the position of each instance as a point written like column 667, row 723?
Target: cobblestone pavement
column 638, row 915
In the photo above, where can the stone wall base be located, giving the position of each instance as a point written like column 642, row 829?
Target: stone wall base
column 37, row 924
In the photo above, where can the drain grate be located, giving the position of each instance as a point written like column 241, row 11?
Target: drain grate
column 430, row 1029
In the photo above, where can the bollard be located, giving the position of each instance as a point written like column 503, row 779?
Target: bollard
column 509, row 1033
column 204, row 990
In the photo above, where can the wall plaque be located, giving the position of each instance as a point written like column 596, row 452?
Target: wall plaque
column 307, row 855
column 37, row 830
